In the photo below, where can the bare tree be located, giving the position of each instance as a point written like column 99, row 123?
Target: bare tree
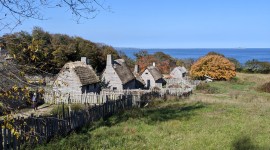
column 14, row 12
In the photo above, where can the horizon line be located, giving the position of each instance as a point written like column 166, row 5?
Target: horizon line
column 192, row 48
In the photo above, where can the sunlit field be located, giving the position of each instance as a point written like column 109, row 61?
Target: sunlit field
column 223, row 115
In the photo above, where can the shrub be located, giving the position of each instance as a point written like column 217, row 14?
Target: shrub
column 215, row 66
column 265, row 87
column 237, row 64
column 255, row 66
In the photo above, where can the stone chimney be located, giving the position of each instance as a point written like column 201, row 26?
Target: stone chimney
column 154, row 64
column 136, row 69
column 84, row 60
column 109, row 60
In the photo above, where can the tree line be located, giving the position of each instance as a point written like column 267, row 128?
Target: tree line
column 49, row 52
column 40, row 51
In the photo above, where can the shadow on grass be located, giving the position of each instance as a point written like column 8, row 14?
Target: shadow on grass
column 81, row 139
column 154, row 115
column 245, row 143
column 183, row 112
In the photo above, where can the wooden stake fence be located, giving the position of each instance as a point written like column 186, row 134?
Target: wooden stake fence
column 37, row 130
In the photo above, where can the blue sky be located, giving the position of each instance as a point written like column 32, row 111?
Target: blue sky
column 169, row 24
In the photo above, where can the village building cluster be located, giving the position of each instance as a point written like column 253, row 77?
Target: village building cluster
column 78, row 82
column 80, row 77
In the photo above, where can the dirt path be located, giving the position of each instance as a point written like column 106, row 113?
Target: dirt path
column 44, row 109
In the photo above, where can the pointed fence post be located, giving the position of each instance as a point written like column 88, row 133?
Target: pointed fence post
column 63, row 108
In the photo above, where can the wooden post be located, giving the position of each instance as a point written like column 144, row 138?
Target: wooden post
column 1, row 137
column 9, row 138
column 5, row 138
column 63, row 109
column 14, row 142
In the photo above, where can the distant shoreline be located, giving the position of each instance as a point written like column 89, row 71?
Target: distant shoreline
column 241, row 54
column 132, row 48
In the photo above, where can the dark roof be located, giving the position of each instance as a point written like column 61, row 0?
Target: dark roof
column 155, row 72
column 123, row 71
column 139, row 78
column 85, row 72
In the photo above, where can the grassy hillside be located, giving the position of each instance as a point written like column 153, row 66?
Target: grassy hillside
column 234, row 116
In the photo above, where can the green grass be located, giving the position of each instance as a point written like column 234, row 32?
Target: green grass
column 58, row 109
column 235, row 118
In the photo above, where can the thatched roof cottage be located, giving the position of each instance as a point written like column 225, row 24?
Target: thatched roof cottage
column 152, row 77
column 77, row 77
column 117, row 75
column 179, row 72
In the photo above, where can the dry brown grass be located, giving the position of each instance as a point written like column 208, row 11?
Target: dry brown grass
column 258, row 79
column 243, row 91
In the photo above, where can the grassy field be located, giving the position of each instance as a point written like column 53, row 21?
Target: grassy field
column 233, row 115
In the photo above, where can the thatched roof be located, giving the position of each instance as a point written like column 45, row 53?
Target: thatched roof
column 155, row 72
column 181, row 69
column 85, row 72
column 87, row 75
column 123, row 71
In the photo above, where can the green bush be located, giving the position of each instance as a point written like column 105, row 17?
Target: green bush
column 256, row 66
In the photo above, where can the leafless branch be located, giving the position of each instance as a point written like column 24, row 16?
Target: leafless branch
column 14, row 12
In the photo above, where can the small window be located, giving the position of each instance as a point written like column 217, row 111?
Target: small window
column 114, row 88
column 146, row 73
column 87, row 87
column 184, row 74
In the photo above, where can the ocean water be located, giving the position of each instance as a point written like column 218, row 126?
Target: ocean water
column 242, row 55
